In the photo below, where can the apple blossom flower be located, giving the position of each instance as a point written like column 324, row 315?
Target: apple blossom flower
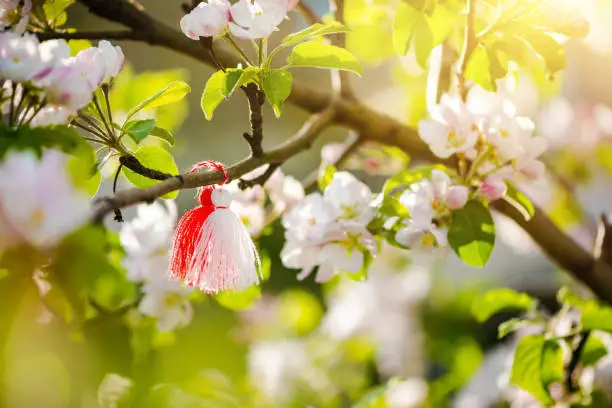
column 493, row 188
column 331, row 152
column 8, row 12
column 421, row 234
column 431, row 196
column 53, row 53
column 114, row 390
column 349, row 199
column 67, row 87
column 146, row 240
column 52, row 115
column 452, row 128
column 168, row 303
column 39, row 203
column 329, row 230
column 253, row 19
column 207, row 19
column 113, row 60
column 284, row 191
column 20, row 57
column 90, row 64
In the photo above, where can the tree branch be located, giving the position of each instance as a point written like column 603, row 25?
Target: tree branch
column 308, row 13
column 469, row 44
column 302, row 140
column 347, row 112
column 256, row 100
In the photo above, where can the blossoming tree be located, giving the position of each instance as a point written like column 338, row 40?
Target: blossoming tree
column 70, row 122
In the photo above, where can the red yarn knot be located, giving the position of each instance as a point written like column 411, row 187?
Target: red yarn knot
column 210, row 164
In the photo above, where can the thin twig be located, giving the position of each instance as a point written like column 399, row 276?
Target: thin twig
column 302, row 140
column 92, row 35
column 243, row 184
column 572, row 372
column 469, row 45
column 341, row 80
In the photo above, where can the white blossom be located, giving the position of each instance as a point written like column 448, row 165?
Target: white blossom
column 207, row 19
column 90, row 64
column 19, row 57
column 329, row 230
column 113, row 59
column 253, row 19
column 146, row 240
column 67, row 87
column 39, row 203
column 168, row 303
column 452, row 128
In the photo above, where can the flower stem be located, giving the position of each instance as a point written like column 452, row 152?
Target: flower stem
column 239, row 50
column 476, row 164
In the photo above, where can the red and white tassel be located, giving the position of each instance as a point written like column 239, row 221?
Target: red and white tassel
column 212, row 249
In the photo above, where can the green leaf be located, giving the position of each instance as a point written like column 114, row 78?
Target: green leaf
column 277, row 87
column 321, row 55
column 404, row 22
column 548, row 48
column 472, row 233
column 232, row 78
column 510, row 326
column 174, row 92
column 139, row 129
column 163, row 134
column 528, row 371
column 593, row 351
column 55, row 11
column 312, row 32
column 498, row 300
column 519, row 201
column 239, row 300
column 405, row 178
column 479, row 69
column 391, row 207
column 214, row 93
column 153, row 157
column 596, row 317
column 423, row 40
column 326, row 176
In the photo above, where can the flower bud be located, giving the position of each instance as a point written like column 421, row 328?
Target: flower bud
column 493, row 188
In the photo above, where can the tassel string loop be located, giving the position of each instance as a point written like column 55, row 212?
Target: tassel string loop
column 213, row 165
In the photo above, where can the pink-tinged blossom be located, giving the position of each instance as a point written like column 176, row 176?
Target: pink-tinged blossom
column 493, row 188
column 89, row 63
column 20, row 57
column 432, row 196
column 113, row 60
column 66, row 86
column 207, row 19
column 258, row 18
column 39, row 203
column 8, row 12
column 451, row 129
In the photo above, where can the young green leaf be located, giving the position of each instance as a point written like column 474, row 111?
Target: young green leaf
column 498, row 300
column 326, row 176
column 527, row 367
column 214, row 93
column 548, row 48
column 405, row 19
column 174, row 92
column 232, row 78
column 593, row 351
column 510, row 326
column 153, row 157
column 596, row 317
column 519, row 201
column 55, row 11
column 391, row 207
column 163, row 134
column 312, row 32
column 320, row 55
column 423, row 40
column 277, row 87
column 139, row 129
column 472, row 233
